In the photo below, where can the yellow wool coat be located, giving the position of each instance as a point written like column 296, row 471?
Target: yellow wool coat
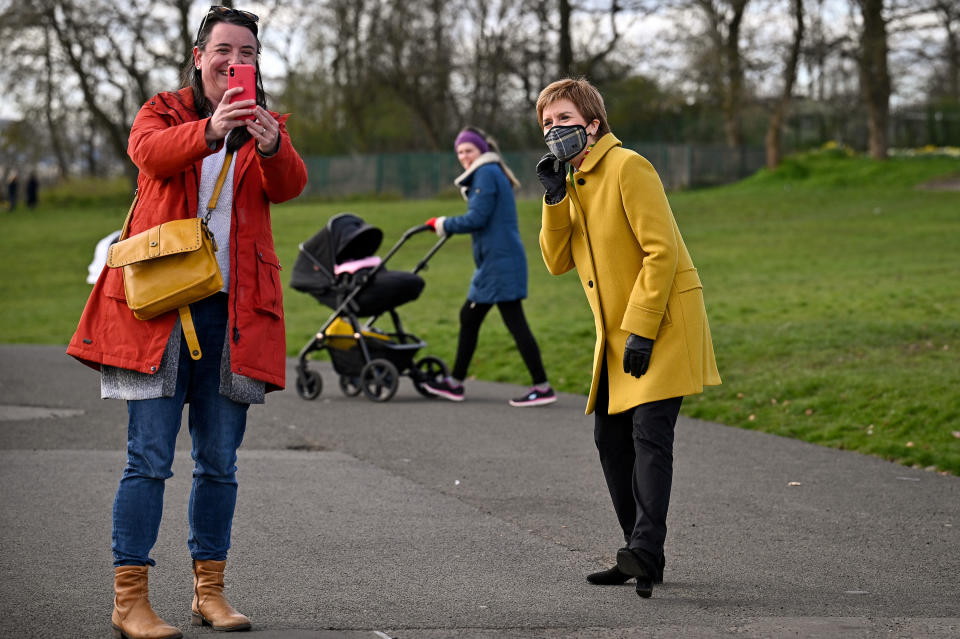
column 616, row 228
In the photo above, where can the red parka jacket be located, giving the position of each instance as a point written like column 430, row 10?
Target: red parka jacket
column 167, row 144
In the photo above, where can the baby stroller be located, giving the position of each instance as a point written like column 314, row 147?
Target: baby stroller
column 337, row 266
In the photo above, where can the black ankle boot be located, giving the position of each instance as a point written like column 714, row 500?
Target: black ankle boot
column 640, row 564
column 608, row 577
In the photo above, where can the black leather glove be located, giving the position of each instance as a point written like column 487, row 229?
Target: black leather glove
column 636, row 355
column 553, row 176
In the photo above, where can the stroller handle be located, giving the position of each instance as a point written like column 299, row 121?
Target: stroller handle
column 416, row 229
column 422, row 264
column 403, row 239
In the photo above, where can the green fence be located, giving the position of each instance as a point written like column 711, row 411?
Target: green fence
column 427, row 174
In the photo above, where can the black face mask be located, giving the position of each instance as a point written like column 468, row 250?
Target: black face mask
column 566, row 142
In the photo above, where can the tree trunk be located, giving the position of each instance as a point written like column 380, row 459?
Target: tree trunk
column 53, row 126
column 733, row 97
column 950, row 15
column 724, row 18
column 774, row 129
column 565, row 60
column 875, row 76
column 183, row 19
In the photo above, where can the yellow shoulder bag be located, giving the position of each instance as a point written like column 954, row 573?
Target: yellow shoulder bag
column 170, row 266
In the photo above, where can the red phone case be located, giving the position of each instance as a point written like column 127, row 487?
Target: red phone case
column 243, row 75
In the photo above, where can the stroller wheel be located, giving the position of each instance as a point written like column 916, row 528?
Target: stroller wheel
column 379, row 380
column 309, row 385
column 350, row 385
column 428, row 369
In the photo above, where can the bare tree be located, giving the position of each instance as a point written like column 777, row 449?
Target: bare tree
column 565, row 58
column 563, row 26
column 49, row 110
column 825, row 42
column 724, row 61
column 932, row 43
column 594, row 58
column 350, row 66
column 948, row 14
column 874, row 74
column 415, row 61
column 774, row 145
column 375, row 75
column 535, row 65
column 77, row 42
column 96, row 58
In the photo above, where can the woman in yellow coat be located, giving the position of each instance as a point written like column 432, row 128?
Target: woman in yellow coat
column 605, row 213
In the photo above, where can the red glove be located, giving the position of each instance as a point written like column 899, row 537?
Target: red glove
column 436, row 223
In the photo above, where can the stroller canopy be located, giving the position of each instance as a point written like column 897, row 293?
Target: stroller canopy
column 345, row 237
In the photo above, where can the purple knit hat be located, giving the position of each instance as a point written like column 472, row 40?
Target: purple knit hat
column 473, row 138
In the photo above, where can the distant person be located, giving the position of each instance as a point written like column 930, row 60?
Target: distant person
column 605, row 213
column 500, row 277
column 13, row 190
column 183, row 143
column 33, row 187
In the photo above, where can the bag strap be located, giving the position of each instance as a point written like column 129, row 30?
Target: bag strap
column 190, row 332
column 125, row 229
column 212, row 204
column 186, row 318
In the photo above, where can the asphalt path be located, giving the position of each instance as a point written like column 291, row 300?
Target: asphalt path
column 419, row 518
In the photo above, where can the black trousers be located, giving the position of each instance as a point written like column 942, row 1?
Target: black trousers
column 471, row 317
column 636, row 453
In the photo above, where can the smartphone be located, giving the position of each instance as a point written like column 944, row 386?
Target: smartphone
column 243, row 75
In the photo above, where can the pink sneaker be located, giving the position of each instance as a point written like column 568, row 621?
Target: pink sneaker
column 535, row 397
column 444, row 389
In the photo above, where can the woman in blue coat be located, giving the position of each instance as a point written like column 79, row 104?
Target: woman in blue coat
column 501, row 274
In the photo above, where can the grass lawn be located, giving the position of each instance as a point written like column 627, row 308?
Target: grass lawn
column 831, row 287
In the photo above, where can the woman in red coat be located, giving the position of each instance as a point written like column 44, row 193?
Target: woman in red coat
column 180, row 141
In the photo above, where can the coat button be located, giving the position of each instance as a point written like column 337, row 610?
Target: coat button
column 590, row 283
column 153, row 369
column 581, row 181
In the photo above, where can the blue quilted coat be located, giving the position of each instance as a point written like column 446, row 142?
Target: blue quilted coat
column 491, row 219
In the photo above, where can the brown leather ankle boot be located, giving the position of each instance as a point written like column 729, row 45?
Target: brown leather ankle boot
column 133, row 617
column 209, row 604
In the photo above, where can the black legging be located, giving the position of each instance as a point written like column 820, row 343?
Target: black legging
column 471, row 317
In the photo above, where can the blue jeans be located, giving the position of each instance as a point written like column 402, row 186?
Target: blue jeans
column 216, row 426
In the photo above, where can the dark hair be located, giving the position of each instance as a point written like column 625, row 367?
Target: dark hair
column 191, row 76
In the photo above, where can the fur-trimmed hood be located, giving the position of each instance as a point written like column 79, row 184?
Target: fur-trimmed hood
column 487, row 158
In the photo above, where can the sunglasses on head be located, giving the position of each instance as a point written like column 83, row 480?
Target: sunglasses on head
column 219, row 11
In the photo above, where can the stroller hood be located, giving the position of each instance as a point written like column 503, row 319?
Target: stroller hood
column 367, row 291
column 345, row 237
